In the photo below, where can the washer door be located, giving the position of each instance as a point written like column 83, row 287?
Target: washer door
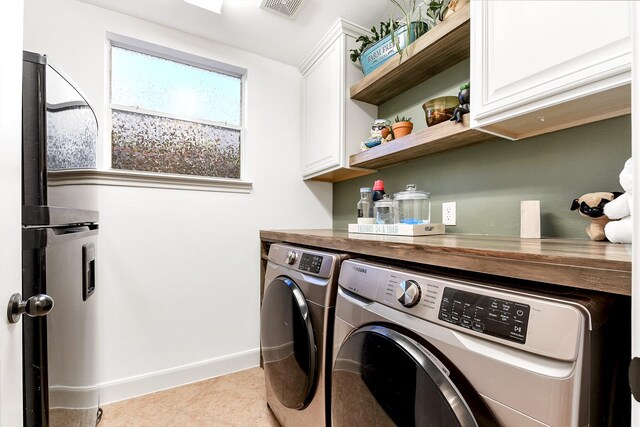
column 382, row 377
column 288, row 343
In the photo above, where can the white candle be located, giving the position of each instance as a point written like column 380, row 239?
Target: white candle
column 530, row 219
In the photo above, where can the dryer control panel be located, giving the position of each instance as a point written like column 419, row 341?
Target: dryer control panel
column 310, row 263
column 492, row 316
column 316, row 263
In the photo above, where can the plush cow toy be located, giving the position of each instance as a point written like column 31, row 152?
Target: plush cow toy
column 621, row 209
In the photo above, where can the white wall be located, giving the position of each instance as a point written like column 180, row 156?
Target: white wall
column 178, row 271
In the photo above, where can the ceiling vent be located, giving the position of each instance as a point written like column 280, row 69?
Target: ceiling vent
column 288, row 8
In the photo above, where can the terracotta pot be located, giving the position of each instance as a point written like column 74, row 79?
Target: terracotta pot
column 401, row 129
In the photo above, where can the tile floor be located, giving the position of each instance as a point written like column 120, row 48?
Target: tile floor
column 236, row 399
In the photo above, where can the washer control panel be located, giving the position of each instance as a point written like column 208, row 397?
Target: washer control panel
column 492, row 316
column 511, row 317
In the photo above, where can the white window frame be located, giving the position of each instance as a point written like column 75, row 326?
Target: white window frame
column 164, row 180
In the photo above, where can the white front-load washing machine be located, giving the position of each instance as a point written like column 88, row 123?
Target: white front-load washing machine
column 416, row 349
column 296, row 330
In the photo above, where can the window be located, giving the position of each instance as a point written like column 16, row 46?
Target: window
column 174, row 115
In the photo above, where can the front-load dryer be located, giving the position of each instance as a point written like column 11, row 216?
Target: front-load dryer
column 296, row 330
column 415, row 349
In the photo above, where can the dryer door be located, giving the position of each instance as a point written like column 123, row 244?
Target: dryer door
column 288, row 343
column 384, row 378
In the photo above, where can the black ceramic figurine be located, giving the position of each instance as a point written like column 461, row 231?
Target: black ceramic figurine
column 463, row 108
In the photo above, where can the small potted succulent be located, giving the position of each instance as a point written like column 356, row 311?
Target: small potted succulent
column 402, row 127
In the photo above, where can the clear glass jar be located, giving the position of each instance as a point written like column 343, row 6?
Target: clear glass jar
column 414, row 206
column 365, row 206
column 386, row 211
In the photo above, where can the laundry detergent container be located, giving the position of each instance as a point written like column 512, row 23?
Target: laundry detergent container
column 414, row 206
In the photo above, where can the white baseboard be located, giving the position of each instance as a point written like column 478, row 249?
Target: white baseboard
column 74, row 397
column 114, row 391
column 127, row 388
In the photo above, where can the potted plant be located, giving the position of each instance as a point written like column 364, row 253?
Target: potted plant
column 366, row 41
column 395, row 35
column 402, row 127
column 438, row 10
column 417, row 19
column 381, row 46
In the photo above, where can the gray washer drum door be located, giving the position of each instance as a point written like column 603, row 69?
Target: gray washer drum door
column 288, row 342
column 382, row 377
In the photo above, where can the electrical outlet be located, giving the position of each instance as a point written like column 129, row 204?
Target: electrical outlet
column 449, row 213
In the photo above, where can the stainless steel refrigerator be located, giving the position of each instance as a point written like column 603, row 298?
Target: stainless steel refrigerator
column 59, row 247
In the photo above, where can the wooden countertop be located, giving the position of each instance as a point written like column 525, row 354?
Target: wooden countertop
column 585, row 264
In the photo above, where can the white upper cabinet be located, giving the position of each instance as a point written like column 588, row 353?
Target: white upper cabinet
column 334, row 125
column 541, row 66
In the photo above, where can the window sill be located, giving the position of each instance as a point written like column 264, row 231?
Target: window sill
column 120, row 178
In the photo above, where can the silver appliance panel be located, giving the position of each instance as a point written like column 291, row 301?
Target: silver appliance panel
column 314, row 273
column 306, row 261
column 541, row 326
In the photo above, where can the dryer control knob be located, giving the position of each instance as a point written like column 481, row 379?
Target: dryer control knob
column 408, row 293
column 291, row 257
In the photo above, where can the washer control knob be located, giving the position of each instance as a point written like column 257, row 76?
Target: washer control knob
column 291, row 257
column 408, row 293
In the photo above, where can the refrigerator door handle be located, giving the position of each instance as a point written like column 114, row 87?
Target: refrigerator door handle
column 36, row 306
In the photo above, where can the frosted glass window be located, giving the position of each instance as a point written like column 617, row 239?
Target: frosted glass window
column 172, row 117
column 152, row 83
column 72, row 128
column 71, row 138
column 149, row 143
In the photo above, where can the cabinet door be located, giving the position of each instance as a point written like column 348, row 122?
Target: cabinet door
column 323, row 113
column 532, row 55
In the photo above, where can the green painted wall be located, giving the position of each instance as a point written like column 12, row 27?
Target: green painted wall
column 489, row 180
